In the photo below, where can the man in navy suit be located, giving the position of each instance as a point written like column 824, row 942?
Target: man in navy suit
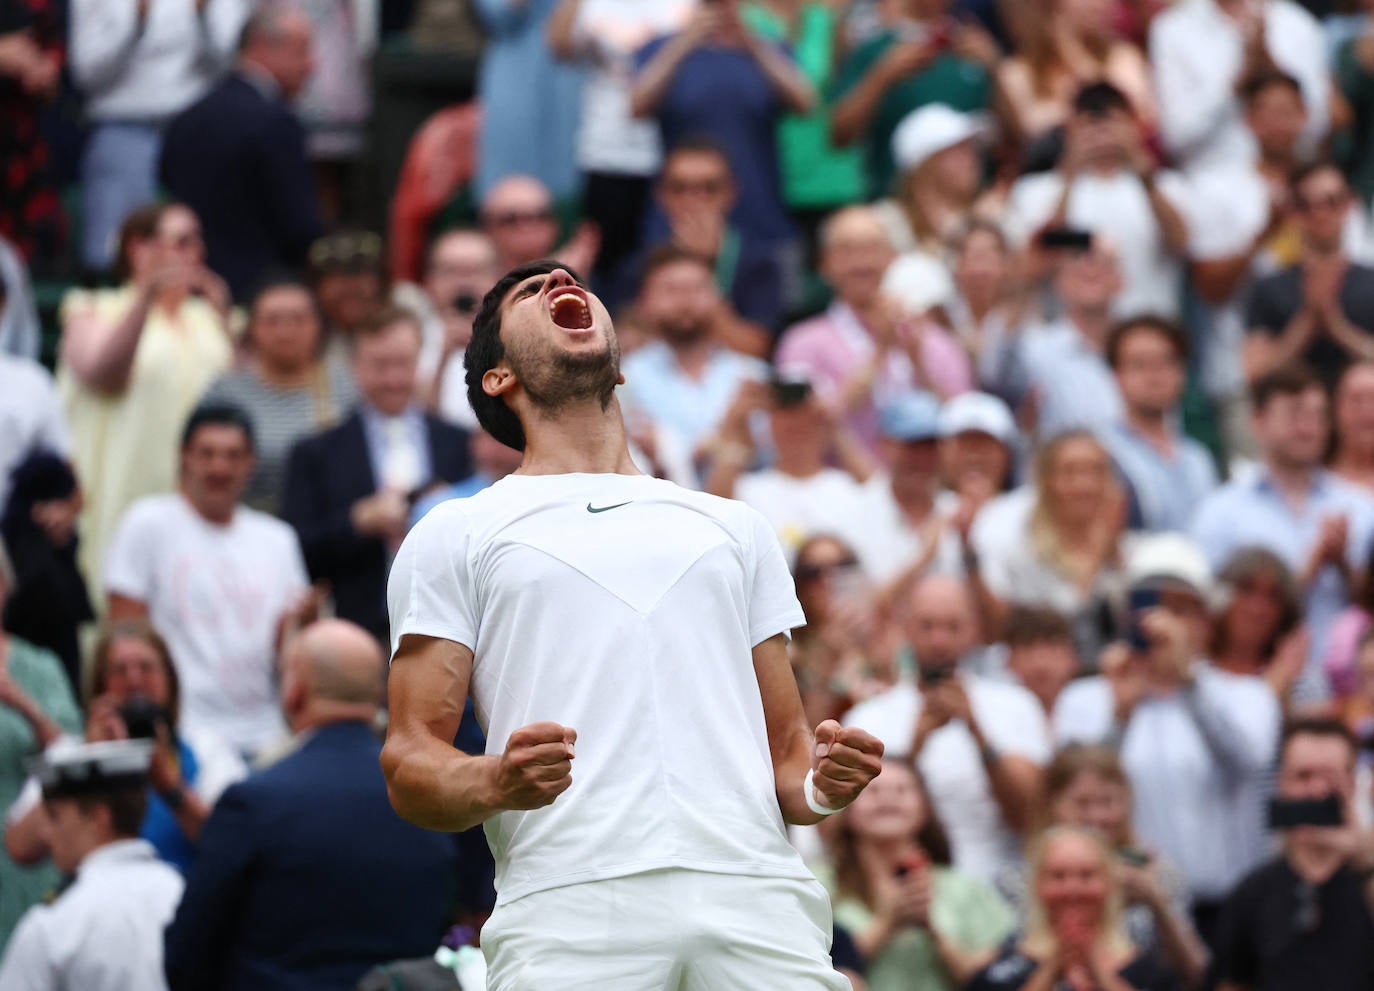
column 237, row 157
column 305, row 877
column 349, row 490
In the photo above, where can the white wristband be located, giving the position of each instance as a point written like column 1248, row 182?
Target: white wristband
column 809, row 790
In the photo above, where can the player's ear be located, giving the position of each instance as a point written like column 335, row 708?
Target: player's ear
column 498, row 381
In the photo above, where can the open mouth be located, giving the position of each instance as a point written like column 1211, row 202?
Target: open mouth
column 569, row 310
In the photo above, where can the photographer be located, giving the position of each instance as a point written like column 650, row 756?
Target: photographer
column 135, row 695
column 1306, row 918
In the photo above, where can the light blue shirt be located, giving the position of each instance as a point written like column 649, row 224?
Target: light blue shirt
column 379, row 444
column 1250, row 512
column 1076, row 389
column 469, row 486
column 690, row 407
column 1165, row 493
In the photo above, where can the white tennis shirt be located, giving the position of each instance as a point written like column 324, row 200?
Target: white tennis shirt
column 624, row 607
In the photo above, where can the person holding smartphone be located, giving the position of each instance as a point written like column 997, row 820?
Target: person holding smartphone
column 1306, row 918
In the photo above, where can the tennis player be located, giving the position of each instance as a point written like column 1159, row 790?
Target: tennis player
column 624, row 641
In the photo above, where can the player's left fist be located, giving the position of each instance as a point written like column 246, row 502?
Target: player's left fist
column 847, row 759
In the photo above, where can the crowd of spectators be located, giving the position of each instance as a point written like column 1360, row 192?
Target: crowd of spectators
column 1040, row 331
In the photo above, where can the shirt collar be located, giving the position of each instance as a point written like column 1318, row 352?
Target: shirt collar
column 117, row 852
column 1319, row 484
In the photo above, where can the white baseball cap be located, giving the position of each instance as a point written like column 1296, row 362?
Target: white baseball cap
column 1168, row 559
column 978, row 412
column 929, row 130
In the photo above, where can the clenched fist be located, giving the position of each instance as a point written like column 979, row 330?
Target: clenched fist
column 536, row 767
column 847, row 759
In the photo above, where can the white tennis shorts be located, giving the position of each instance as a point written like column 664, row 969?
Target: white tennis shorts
column 667, row 930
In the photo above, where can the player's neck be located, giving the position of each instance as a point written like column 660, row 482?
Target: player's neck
column 577, row 439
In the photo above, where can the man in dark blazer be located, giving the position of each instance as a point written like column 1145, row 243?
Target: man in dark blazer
column 237, row 157
column 305, row 878
column 349, row 490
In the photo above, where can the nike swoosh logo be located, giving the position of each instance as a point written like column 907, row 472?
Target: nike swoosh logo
column 606, row 509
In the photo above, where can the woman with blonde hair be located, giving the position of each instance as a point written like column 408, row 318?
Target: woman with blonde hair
column 1074, row 937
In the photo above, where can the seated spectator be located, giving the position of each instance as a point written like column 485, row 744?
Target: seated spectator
column 133, row 363
column 285, row 387
column 717, row 78
column 1196, row 742
column 1304, row 919
column 1108, row 184
column 685, row 379
column 49, row 600
column 1074, row 936
column 37, row 706
column 1068, row 45
column 842, row 656
column 1352, row 443
column 306, row 878
column 237, row 155
column 347, row 274
column 915, row 919
column 135, row 695
column 1204, row 53
column 1065, row 554
column 1321, row 310
column 987, row 306
column 919, row 56
column 1165, row 473
column 349, row 489
column 1321, row 527
column 138, row 68
column 978, row 743
column 221, row 582
column 1063, row 364
column 862, row 353
column 1258, row 630
column 1085, row 787
column 977, row 449
column 105, row 930
column 491, row 462
column 517, row 214
column 1040, row 652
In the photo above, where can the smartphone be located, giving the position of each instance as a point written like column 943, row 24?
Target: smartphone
column 1287, row 813
column 1065, row 239
column 789, row 392
column 141, row 717
column 1139, row 602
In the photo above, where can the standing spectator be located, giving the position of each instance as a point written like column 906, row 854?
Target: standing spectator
column 978, row 743
column 1075, row 937
column 1166, row 474
column 1196, row 742
column 222, row 582
column 1352, row 450
column 36, row 707
column 349, row 489
column 134, row 361
column 1306, row 918
column 1321, row 527
column 917, row 921
column 1040, row 652
column 1204, row 52
column 1320, row 310
column 104, row 933
column 530, row 102
column 717, row 78
column 30, row 75
column 517, row 213
column 237, row 156
column 978, row 441
column 685, row 380
column 279, row 895
column 1107, row 183
column 919, row 57
column 1259, row 630
column 139, row 64
column 618, row 154
column 285, row 387
column 347, row 273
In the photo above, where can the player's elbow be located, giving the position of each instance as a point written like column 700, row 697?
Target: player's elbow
column 404, row 788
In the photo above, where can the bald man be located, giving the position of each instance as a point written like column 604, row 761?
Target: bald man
column 305, row 877
column 979, row 742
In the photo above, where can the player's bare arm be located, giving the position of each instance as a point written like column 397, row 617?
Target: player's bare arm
column 433, row 784
column 844, row 759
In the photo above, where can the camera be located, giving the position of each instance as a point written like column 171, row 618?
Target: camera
column 142, row 717
column 466, row 303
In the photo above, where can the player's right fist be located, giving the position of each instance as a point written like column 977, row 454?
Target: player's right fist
column 536, row 767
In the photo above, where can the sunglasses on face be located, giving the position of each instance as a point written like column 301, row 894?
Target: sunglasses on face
column 811, row 572
column 346, row 251
column 515, row 218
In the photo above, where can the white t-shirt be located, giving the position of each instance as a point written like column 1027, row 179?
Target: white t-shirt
column 960, row 791
column 1118, row 207
column 216, row 593
column 30, row 416
column 626, row 608
column 886, row 543
column 801, row 507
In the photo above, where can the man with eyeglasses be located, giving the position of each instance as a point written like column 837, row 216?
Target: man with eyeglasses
column 1306, row 918
column 1321, row 310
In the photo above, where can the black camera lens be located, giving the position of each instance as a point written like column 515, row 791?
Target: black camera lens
column 465, row 302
